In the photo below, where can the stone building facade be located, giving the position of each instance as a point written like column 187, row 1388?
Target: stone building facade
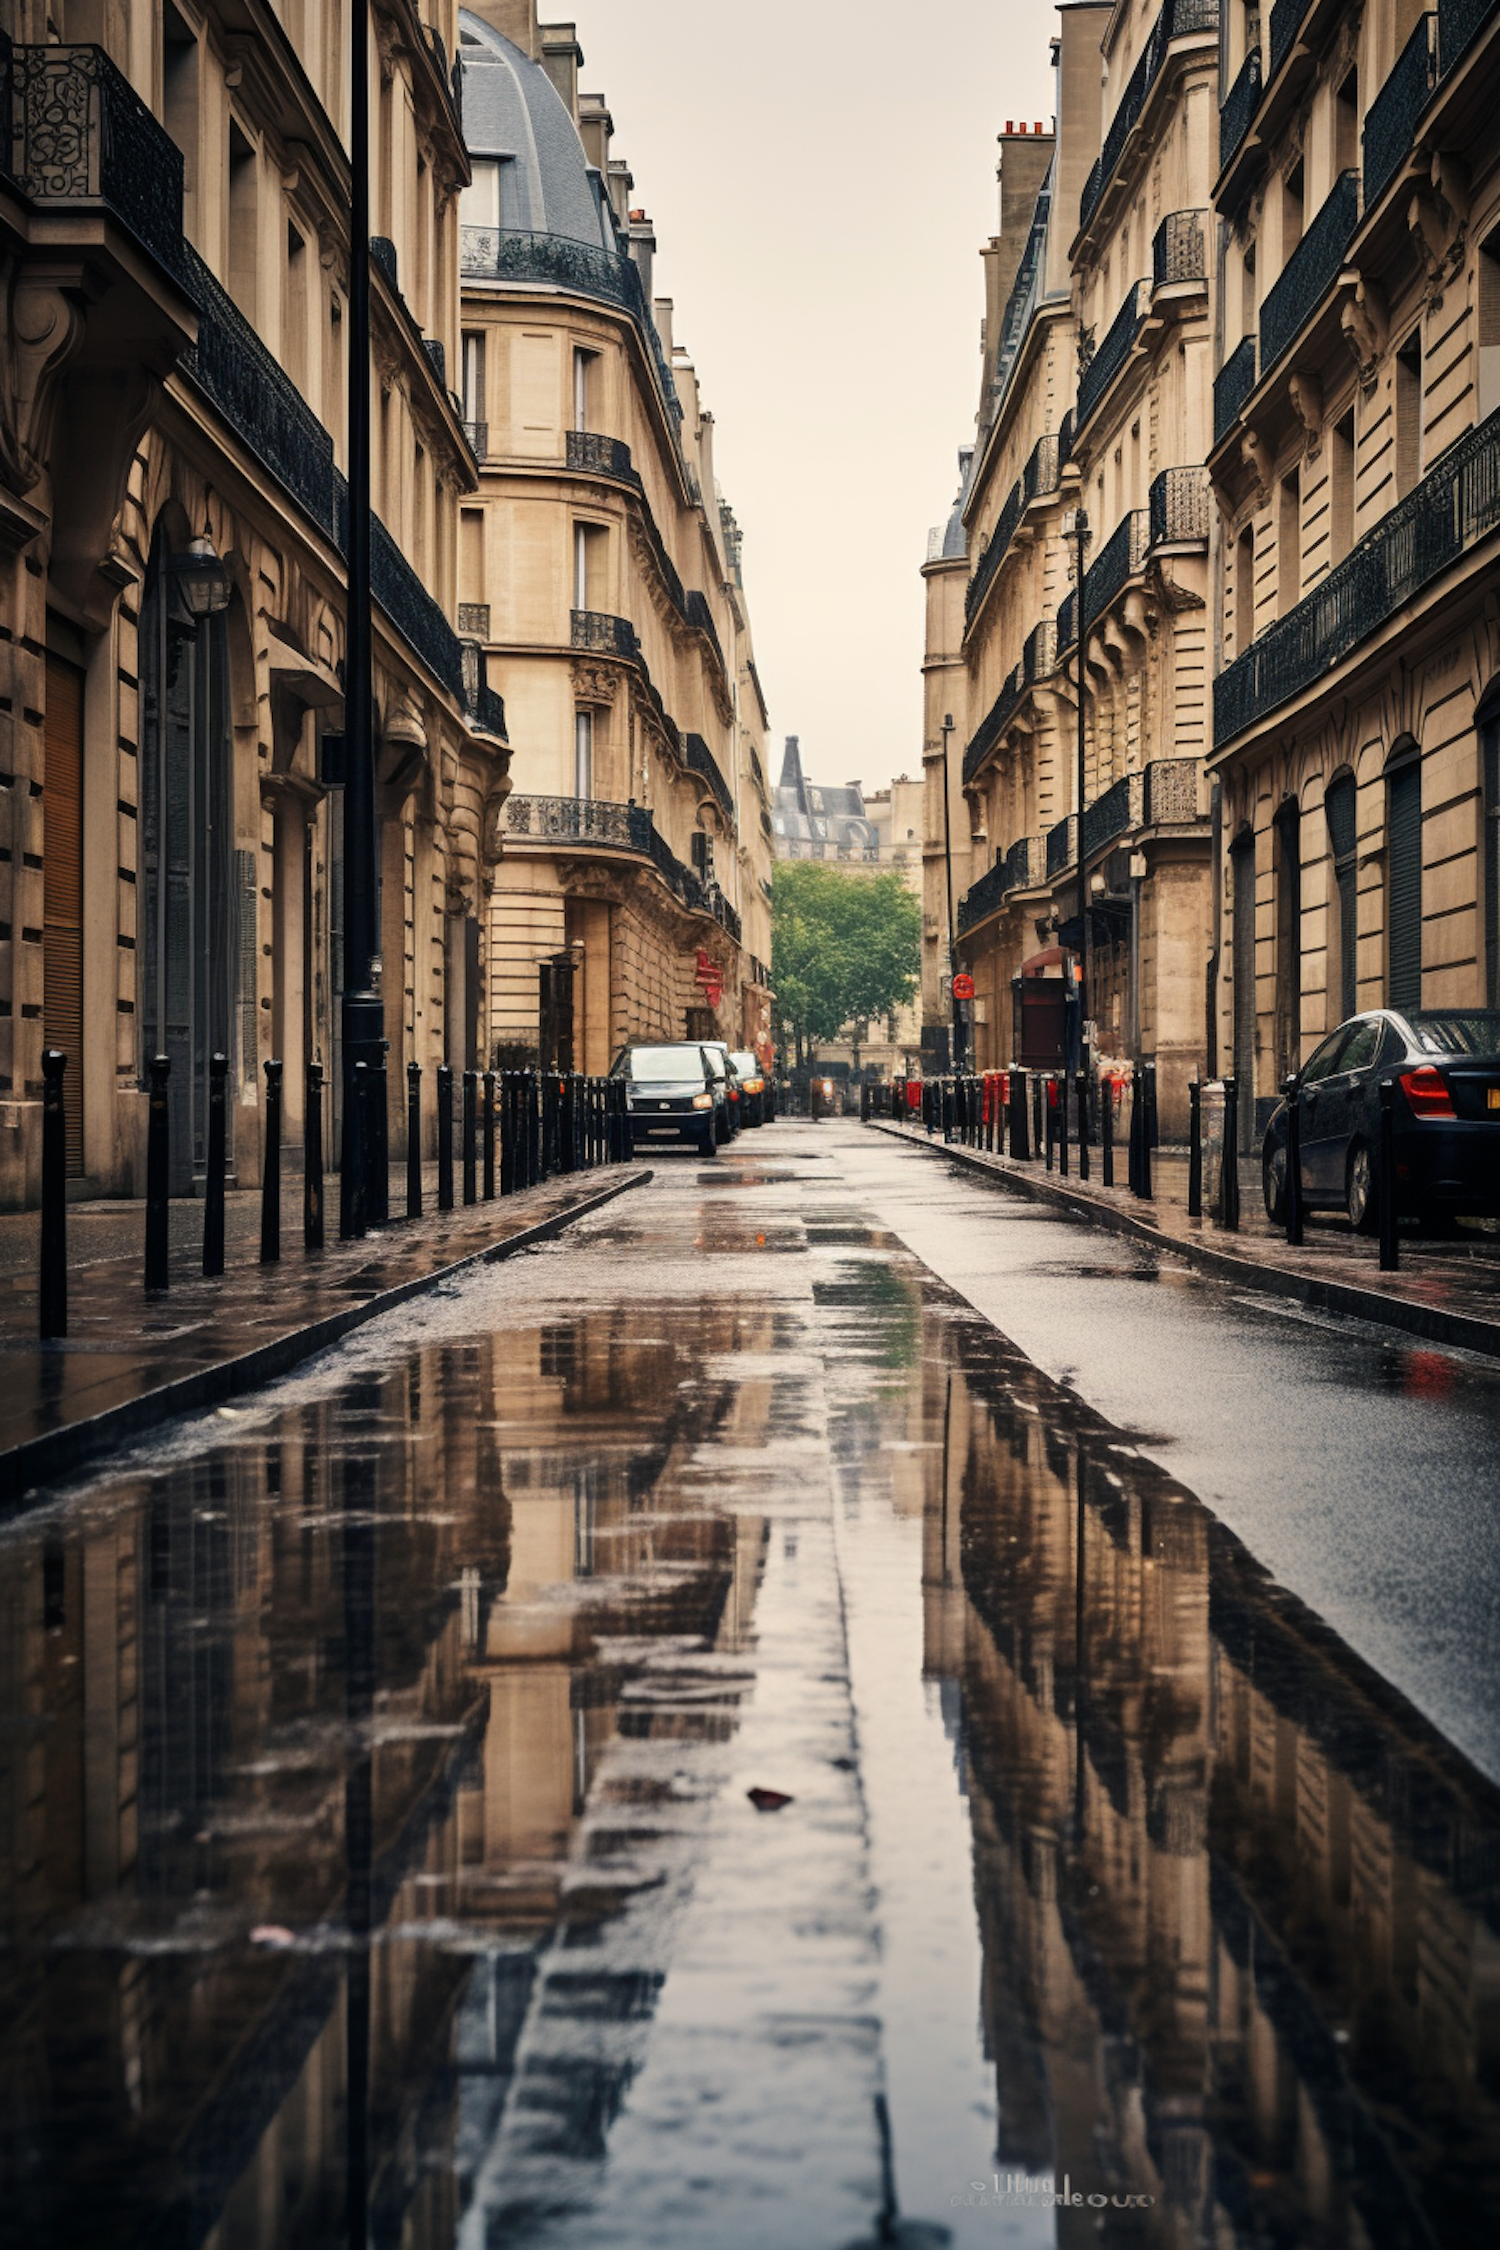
column 174, row 195
column 1094, row 398
column 1356, row 465
column 600, row 568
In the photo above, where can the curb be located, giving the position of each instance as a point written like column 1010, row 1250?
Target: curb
column 60, row 1452
column 1429, row 1322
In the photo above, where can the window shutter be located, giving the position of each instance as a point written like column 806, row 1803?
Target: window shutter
column 1340, row 810
column 1404, row 887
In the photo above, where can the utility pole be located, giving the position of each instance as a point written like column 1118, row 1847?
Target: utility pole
column 956, row 1031
column 362, row 1010
column 1077, row 529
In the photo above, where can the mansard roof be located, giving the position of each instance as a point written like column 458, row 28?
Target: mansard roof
column 513, row 112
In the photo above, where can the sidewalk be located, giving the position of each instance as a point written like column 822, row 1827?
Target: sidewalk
column 131, row 1361
column 1445, row 1292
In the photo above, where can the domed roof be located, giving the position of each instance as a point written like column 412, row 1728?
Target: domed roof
column 514, row 113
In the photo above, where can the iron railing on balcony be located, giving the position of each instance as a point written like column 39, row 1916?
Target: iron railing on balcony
column 1039, row 652
column 383, row 258
column 994, row 554
column 1178, row 249
column 701, row 618
column 1114, row 351
column 1118, row 560
column 1178, row 506
column 1065, row 440
column 1238, row 108
column 1177, row 19
column 1391, row 119
column 506, row 254
column 478, row 435
column 983, row 898
column 1232, row 386
column 1171, row 792
column 701, row 761
column 1451, row 509
column 606, row 635
column 601, row 456
column 1459, row 21
column 1286, row 22
column 256, row 396
column 1067, row 621
column 416, row 615
column 1042, row 471
column 75, row 130
column 579, row 820
column 994, row 722
column 1310, row 272
column 1111, row 814
column 484, row 706
column 1062, row 845
column 1026, row 863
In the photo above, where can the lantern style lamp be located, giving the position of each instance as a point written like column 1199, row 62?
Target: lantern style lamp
column 202, row 580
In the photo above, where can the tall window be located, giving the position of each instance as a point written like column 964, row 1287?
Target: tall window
column 1404, row 875
column 584, row 375
column 1340, row 811
column 1487, row 322
column 1244, row 590
column 1341, row 489
column 583, row 753
column 1346, row 125
column 1289, row 542
column 244, row 222
column 1293, row 195
column 588, row 565
column 294, row 310
column 179, row 72
column 1409, row 413
column 473, row 378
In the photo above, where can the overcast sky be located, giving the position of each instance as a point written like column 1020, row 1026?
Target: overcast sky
column 821, row 174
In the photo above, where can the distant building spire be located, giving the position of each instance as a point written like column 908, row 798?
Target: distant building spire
column 791, row 773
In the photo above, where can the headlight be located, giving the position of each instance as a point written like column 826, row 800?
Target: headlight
column 703, row 1101
column 828, row 1085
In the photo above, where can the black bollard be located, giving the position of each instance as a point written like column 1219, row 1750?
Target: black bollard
column 1385, row 1179
column 158, row 1173
column 213, row 1185
column 1082, row 1092
column 1020, row 1122
column 353, row 1176
column 312, row 1179
column 1062, row 1124
column 470, row 1136
column 487, row 1098
column 445, row 1136
column 1292, row 1200
column 378, row 1143
column 1133, row 1168
column 1107, row 1131
column 1229, row 1169
column 1038, row 1098
column 1148, row 1128
column 414, row 1140
column 507, row 1132
column 270, row 1178
column 53, row 1278
column 1195, row 1150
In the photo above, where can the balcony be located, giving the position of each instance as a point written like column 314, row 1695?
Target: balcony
column 1067, row 620
column 1177, row 19
column 485, row 708
column 1171, row 795
column 1043, row 471
column 1459, row 24
column 1391, row 121
column 593, row 629
column 1450, row 510
column 1237, row 110
column 1039, row 653
column 1286, row 22
column 478, row 436
column 256, row 397
column 1038, row 658
column 79, row 133
column 1178, row 250
column 602, row 457
column 1119, row 809
column 701, row 761
column 1062, row 845
column 1232, row 386
column 1121, row 557
column 1178, row 508
column 1310, row 272
column 579, row 820
column 985, row 897
column 988, row 565
column 1112, row 354
column 701, row 618
column 556, row 261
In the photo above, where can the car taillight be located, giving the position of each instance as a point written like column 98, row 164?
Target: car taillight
column 1426, row 1092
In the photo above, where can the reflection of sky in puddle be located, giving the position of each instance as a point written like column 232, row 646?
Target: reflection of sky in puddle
column 1102, row 1859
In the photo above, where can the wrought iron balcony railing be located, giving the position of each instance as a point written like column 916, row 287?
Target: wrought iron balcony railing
column 1286, row 22
column 1177, row 19
column 1450, row 510
column 256, row 396
column 75, row 131
column 1112, row 354
column 1171, row 792
column 556, row 260
column 983, row 898
column 601, row 456
column 1459, row 22
column 579, row 820
column 606, row 635
column 988, row 565
column 478, row 435
column 1310, row 272
column 1062, row 845
column 383, row 258
column 701, row 761
column 1119, row 559
column 701, row 618
column 1232, row 386
column 1110, row 815
column 1039, row 654
column 1065, row 440
column 1067, row 620
column 1026, row 863
column 483, row 705
column 1238, row 108
column 1179, row 507
column 1391, row 119
column 994, row 722
column 1178, row 249
column 1042, row 471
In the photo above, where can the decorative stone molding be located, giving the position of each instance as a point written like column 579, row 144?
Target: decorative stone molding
column 46, row 327
column 1307, row 404
column 1366, row 326
column 594, row 683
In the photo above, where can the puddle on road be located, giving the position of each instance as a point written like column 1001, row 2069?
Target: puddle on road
column 359, row 1768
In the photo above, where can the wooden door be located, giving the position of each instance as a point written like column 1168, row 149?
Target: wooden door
column 62, row 891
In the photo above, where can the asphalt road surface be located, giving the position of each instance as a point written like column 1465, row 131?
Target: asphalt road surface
column 826, row 1707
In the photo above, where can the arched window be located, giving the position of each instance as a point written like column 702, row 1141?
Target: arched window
column 1404, row 875
column 1339, row 809
column 187, row 941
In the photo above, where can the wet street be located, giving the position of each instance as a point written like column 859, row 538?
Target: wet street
column 828, row 1706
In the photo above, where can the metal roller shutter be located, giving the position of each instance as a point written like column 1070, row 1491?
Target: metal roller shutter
column 1404, row 887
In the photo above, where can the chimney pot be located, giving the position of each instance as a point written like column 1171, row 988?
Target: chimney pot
column 1009, row 125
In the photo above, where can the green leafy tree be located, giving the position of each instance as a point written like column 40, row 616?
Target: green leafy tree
column 845, row 947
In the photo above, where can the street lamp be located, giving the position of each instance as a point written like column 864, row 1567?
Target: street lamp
column 1076, row 529
column 956, row 1031
column 201, row 579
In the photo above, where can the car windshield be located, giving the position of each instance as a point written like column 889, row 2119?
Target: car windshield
column 746, row 1065
column 1475, row 1032
column 664, row 1062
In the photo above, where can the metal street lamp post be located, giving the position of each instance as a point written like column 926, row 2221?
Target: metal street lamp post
column 956, row 1034
column 1078, row 531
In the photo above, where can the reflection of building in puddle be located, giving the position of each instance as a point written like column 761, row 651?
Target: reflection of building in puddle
column 1238, row 1905
column 481, row 1539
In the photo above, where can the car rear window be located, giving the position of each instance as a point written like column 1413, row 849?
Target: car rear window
column 1475, row 1032
column 664, row 1062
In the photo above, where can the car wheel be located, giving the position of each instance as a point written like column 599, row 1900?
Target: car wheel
column 1273, row 1183
column 1359, row 1189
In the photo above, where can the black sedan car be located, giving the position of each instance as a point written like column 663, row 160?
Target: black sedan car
column 674, row 1093
column 1445, row 1067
